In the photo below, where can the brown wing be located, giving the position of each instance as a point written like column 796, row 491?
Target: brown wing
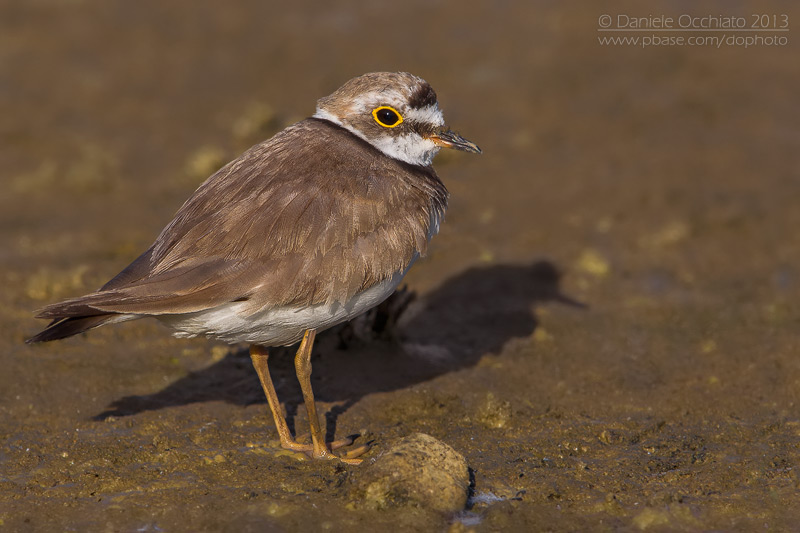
column 313, row 215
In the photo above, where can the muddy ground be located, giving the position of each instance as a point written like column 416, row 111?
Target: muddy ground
column 657, row 186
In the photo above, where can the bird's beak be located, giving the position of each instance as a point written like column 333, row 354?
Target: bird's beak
column 450, row 139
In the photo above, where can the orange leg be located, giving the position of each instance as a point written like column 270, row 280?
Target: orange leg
column 260, row 356
column 302, row 362
column 302, row 365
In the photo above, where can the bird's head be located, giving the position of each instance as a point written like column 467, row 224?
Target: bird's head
column 397, row 113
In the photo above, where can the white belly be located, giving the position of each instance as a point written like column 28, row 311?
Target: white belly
column 279, row 326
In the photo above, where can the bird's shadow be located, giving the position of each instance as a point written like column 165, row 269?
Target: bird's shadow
column 405, row 341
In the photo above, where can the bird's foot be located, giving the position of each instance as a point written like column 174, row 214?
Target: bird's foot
column 349, row 457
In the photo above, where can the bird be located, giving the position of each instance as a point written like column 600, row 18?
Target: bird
column 301, row 232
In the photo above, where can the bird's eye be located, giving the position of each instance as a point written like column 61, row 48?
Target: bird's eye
column 387, row 116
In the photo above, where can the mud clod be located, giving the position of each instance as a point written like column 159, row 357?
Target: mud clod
column 416, row 471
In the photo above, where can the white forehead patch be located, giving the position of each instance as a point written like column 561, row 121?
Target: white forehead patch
column 428, row 115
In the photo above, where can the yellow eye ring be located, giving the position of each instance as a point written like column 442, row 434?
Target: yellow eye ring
column 386, row 116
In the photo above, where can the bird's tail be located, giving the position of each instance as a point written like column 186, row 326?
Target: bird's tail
column 61, row 328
